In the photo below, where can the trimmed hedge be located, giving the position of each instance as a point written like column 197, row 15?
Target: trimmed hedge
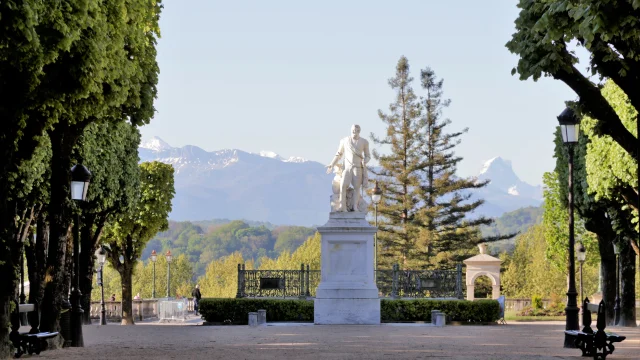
column 235, row 311
column 456, row 310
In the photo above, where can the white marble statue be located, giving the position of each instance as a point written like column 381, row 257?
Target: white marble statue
column 354, row 171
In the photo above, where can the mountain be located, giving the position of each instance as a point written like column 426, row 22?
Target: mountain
column 505, row 191
column 235, row 184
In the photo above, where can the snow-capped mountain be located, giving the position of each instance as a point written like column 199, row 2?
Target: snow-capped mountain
column 505, row 191
column 265, row 186
column 236, row 184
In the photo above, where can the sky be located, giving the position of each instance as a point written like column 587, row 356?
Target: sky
column 293, row 76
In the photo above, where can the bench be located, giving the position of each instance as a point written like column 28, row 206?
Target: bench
column 32, row 342
column 600, row 343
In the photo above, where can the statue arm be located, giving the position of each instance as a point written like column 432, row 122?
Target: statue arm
column 367, row 155
column 338, row 155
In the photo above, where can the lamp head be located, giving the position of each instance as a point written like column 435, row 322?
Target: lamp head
column 376, row 194
column 154, row 256
column 569, row 126
column 581, row 253
column 168, row 256
column 102, row 255
column 80, row 178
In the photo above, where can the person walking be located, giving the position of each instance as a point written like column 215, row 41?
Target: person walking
column 196, row 298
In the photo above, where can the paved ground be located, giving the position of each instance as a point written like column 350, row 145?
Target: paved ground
column 534, row 340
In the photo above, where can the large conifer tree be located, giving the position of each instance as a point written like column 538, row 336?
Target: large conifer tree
column 448, row 229
column 424, row 217
column 398, row 174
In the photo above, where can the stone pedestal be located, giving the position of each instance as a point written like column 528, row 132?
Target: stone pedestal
column 347, row 293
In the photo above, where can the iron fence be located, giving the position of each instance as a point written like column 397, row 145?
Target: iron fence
column 394, row 283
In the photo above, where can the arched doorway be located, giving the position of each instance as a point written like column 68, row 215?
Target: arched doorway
column 483, row 265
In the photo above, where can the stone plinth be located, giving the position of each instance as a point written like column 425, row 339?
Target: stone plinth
column 347, row 293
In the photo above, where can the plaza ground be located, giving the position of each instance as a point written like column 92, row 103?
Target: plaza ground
column 531, row 340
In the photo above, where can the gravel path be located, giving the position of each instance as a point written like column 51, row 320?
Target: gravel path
column 306, row 341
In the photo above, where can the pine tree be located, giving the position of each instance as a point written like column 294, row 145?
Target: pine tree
column 448, row 231
column 424, row 218
column 398, row 174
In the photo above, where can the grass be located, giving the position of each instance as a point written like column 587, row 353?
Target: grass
column 511, row 315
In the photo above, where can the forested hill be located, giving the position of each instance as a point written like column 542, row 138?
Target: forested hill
column 204, row 241
column 515, row 221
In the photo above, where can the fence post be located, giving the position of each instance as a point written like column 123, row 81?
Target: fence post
column 301, row 278
column 307, row 293
column 239, row 292
column 394, row 284
column 459, row 281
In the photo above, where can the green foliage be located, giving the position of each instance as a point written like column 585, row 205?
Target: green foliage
column 517, row 221
column 456, row 310
column 235, row 311
column 204, row 242
column 221, row 278
column 536, row 301
column 308, row 254
column 527, row 272
column 611, row 171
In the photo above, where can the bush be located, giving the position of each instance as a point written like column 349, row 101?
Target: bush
column 456, row 310
column 536, row 302
column 235, row 311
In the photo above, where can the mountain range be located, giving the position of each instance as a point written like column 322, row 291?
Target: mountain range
column 264, row 186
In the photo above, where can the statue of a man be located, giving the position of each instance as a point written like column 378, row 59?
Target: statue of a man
column 356, row 156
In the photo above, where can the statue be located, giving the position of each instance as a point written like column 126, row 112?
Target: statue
column 353, row 172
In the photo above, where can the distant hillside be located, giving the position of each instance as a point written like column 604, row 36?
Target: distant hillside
column 515, row 221
column 205, row 241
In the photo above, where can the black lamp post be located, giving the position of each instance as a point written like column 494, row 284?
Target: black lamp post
column 102, row 256
column 376, row 196
column 582, row 256
column 169, row 257
column 80, row 178
column 154, row 257
column 616, row 307
column 569, row 127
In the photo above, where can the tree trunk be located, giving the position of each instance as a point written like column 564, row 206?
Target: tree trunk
column 36, row 254
column 628, row 288
column 62, row 142
column 87, row 264
column 127, row 297
column 609, row 287
column 9, row 279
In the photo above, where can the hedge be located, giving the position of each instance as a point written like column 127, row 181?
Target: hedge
column 235, row 311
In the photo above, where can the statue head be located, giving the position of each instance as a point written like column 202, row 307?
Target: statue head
column 355, row 131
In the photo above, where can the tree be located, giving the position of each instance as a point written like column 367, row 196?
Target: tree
column 181, row 277
column 608, row 30
column 448, row 233
column 424, row 213
column 109, row 74
column 129, row 233
column 398, row 174
column 110, row 151
column 221, row 278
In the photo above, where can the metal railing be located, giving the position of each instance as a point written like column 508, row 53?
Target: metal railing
column 394, row 283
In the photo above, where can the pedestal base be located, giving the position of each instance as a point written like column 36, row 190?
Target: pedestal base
column 346, row 311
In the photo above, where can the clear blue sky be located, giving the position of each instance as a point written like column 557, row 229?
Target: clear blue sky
column 292, row 76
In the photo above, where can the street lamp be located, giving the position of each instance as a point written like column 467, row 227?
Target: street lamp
column 154, row 257
column 376, row 196
column 569, row 128
column 80, row 178
column 102, row 256
column 581, row 254
column 616, row 308
column 168, row 256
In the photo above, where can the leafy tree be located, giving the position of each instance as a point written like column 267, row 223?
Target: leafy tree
column 182, row 277
column 221, row 278
column 128, row 234
column 608, row 30
column 110, row 151
column 291, row 237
